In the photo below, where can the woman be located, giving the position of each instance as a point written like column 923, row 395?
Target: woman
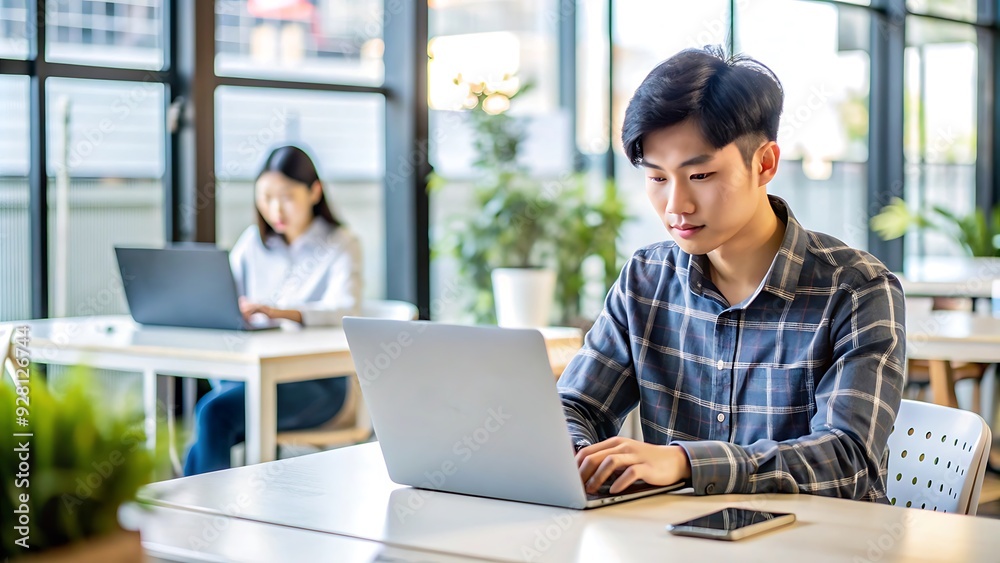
column 297, row 263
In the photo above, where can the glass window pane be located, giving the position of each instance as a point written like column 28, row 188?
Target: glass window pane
column 645, row 34
column 505, row 44
column 122, row 33
column 343, row 133
column 105, row 172
column 941, row 74
column 592, row 71
column 957, row 9
column 824, row 124
column 316, row 40
column 15, row 246
column 484, row 41
column 14, row 36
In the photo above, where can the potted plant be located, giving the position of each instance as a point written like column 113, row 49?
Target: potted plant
column 64, row 481
column 977, row 235
column 586, row 228
column 503, row 249
column 524, row 245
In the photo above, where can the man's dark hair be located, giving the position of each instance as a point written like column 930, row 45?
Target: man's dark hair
column 733, row 99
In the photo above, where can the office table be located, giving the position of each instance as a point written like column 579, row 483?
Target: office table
column 941, row 337
column 259, row 359
column 941, row 276
column 347, row 493
column 170, row 534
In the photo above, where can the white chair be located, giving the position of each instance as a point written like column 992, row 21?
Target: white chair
column 389, row 309
column 352, row 424
column 937, row 458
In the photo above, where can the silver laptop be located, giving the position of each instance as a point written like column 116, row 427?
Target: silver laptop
column 189, row 286
column 471, row 410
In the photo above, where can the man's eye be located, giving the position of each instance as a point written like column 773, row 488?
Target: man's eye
column 701, row 176
column 656, row 179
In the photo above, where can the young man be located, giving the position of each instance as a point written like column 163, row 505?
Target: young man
column 763, row 357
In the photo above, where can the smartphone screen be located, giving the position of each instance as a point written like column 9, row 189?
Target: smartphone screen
column 731, row 523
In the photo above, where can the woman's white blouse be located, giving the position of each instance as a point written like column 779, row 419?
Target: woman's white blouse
column 319, row 274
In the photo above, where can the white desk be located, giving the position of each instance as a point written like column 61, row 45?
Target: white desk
column 942, row 337
column 180, row 535
column 940, row 276
column 261, row 359
column 347, row 493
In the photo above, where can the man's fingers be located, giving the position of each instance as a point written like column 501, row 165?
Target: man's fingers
column 626, row 479
column 617, row 444
column 610, row 464
column 590, row 450
column 589, row 464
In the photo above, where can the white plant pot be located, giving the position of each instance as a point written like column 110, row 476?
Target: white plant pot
column 523, row 296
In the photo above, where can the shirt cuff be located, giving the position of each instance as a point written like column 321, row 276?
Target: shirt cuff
column 717, row 467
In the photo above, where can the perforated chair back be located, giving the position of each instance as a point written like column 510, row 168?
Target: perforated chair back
column 937, row 458
column 389, row 309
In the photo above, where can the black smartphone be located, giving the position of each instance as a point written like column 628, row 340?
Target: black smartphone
column 731, row 524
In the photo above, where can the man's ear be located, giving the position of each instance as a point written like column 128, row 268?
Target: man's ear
column 767, row 164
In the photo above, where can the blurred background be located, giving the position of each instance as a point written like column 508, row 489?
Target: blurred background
column 146, row 121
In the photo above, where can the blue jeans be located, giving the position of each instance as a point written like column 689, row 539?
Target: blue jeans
column 220, row 417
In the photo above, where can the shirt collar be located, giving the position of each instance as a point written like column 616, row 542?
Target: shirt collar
column 782, row 277
column 317, row 231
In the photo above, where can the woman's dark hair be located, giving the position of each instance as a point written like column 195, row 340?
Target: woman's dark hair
column 732, row 99
column 295, row 164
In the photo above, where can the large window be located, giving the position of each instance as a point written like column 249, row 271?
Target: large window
column 321, row 40
column 15, row 246
column 940, row 123
column 120, row 169
column 954, row 9
column 493, row 42
column 125, row 33
column 824, row 123
column 14, row 40
column 105, row 157
column 108, row 180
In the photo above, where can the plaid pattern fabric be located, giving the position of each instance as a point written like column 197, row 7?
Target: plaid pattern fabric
column 793, row 390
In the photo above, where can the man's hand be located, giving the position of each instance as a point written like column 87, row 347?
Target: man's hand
column 656, row 465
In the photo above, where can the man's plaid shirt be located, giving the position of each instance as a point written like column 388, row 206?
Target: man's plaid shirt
column 793, row 390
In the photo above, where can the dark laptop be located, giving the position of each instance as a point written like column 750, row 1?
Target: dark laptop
column 186, row 285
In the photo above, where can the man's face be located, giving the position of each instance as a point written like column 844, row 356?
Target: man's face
column 704, row 196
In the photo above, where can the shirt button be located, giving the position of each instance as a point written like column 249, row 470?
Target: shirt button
column 710, row 488
column 720, row 364
column 721, row 417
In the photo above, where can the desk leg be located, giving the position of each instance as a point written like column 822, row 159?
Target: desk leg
column 942, row 383
column 190, row 399
column 262, row 420
column 149, row 406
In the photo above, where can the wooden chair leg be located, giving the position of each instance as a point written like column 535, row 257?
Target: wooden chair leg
column 977, row 396
column 942, row 383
